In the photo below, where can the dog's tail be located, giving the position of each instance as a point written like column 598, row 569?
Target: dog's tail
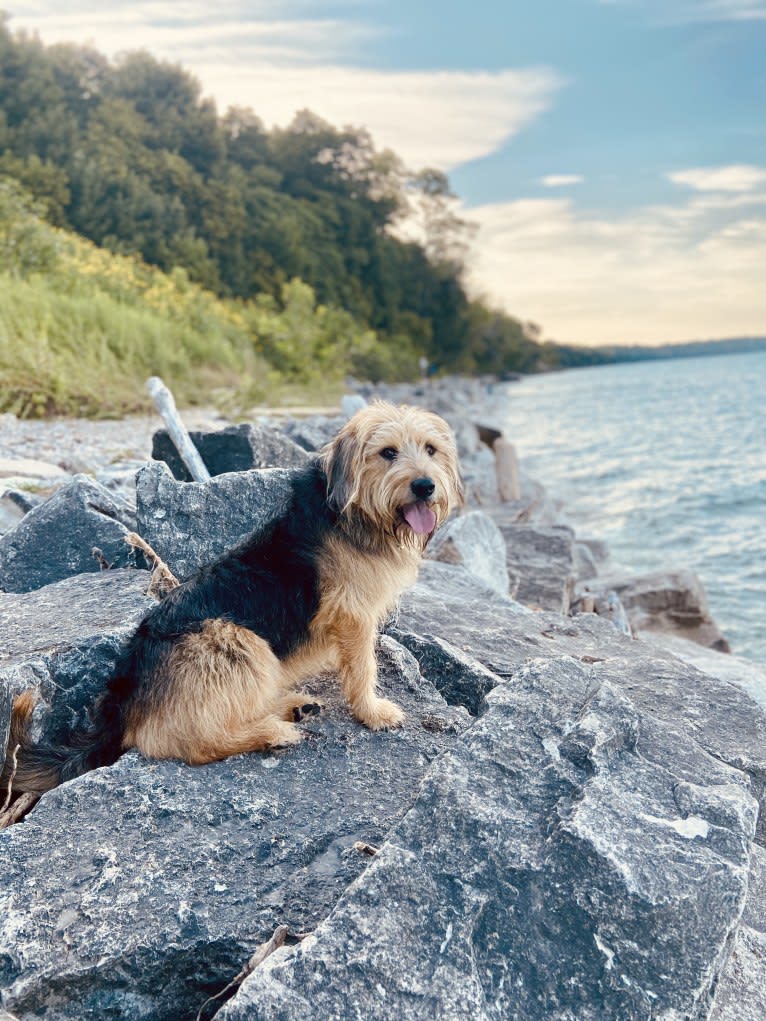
column 36, row 768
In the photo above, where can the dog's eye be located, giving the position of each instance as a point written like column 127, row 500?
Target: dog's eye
column 430, row 449
column 389, row 453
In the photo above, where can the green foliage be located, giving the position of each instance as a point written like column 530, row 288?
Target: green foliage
column 81, row 329
column 27, row 244
column 300, row 224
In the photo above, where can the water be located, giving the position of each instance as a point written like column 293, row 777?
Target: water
column 666, row 461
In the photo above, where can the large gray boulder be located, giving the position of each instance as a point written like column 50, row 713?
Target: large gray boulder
column 741, row 992
column 734, row 669
column 460, row 679
column 569, row 858
column 480, row 478
column 722, row 718
column 451, row 603
column 233, row 449
column 313, row 431
column 540, row 561
column 189, row 524
column 160, row 879
column 64, row 639
column 55, row 539
column 474, row 540
column 671, row 601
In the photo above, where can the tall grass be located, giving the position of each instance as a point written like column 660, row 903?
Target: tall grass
column 90, row 354
column 81, row 328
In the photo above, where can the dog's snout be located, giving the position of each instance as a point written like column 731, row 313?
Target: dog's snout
column 423, row 488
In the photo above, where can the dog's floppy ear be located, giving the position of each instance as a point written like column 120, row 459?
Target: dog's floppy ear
column 337, row 461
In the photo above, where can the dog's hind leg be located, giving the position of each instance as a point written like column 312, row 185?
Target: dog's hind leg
column 245, row 736
column 220, row 694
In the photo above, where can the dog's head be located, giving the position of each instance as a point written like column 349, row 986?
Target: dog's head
column 396, row 468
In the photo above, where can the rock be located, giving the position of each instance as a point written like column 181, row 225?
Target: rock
column 160, row 879
column 56, row 539
column 585, row 562
column 6, row 705
column 467, row 436
column 741, row 992
column 448, row 602
column 605, row 604
column 14, row 504
column 480, row 478
column 672, row 601
column 351, row 403
column 191, row 523
column 313, row 432
column 734, row 669
column 65, row 638
column 25, row 467
column 234, row 449
column 23, row 502
column 540, row 561
column 534, row 506
column 460, row 679
column 598, row 548
column 561, row 862
column 475, row 541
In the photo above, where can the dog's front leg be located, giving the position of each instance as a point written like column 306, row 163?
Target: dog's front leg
column 358, row 668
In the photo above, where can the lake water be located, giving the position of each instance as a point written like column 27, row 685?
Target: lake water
column 666, row 461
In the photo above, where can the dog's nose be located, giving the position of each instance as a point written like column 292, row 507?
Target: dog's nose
column 423, row 488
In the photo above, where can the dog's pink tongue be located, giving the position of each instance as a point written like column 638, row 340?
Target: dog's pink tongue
column 420, row 518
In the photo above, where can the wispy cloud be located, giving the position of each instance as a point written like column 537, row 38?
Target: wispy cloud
column 279, row 58
column 441, row 118
column 189, row 33
column 657, row 274
column 673, row 12
column 739, row 177
column 561, row 180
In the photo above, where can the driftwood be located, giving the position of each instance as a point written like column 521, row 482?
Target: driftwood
column 488, row 434
column 507, row 470
column 260, row 955
column 18, row 809
column 166, row 405
column 11, row 812
column 163, row 580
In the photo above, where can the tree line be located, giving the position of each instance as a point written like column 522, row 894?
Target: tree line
column 129, row 154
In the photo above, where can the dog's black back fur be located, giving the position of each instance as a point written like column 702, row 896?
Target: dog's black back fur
column 268, row 584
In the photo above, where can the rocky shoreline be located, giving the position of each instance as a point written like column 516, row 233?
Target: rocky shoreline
column 569, row 826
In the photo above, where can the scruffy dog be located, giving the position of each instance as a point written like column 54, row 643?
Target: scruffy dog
column 211, row 670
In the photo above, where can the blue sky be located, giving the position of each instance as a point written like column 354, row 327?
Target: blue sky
column 611, row 152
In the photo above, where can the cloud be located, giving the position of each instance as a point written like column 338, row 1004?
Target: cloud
column 259, row 56
column 673, row 12
column 659, row 274
column 732, row 10
column 735, row 178
column 189, row 33
column 561, row 180
column 440, row 118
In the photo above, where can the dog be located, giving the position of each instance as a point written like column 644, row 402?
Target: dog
column 212, row 669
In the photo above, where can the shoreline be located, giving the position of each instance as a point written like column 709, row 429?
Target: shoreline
column 110, row 450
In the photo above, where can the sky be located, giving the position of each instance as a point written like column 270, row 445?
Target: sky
column 611, row 152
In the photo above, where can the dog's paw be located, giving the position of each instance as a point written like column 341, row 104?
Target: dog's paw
column 380, row 715
column 285, row 734
column 302, row 712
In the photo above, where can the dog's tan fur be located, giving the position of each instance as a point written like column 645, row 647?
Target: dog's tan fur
column 227, row 692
